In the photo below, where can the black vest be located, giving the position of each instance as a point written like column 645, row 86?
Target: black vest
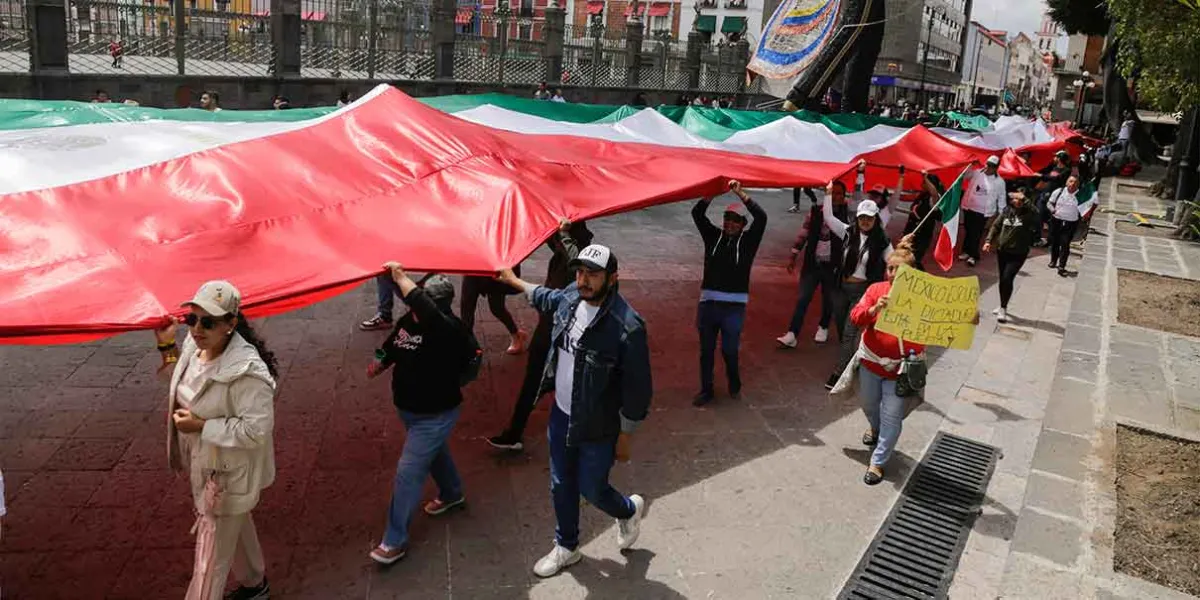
column 877, row 243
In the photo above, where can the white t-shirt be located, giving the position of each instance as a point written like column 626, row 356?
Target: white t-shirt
column 198, row 371
column 1126, row 132
column 564, row 375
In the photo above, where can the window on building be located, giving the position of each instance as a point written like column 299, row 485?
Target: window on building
column 662, row 23
column 525, row 30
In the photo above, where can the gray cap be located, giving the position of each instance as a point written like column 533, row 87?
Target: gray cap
column 439, row 289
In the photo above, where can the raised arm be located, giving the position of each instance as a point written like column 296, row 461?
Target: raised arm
column 835, row 225
column 708, row 231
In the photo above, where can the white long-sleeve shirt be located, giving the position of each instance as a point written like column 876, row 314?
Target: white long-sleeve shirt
column 1063, row 205
column 985, row 194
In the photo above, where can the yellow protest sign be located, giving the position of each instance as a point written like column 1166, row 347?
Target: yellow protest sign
column 931, row 310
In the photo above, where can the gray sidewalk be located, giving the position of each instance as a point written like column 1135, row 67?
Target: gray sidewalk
column 1056, row 519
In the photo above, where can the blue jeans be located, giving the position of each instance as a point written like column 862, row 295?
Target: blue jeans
column 726, row 319
column 820, row 275
column 386, row 291
column 885, row 412
column 581, row 469
column 426, row 453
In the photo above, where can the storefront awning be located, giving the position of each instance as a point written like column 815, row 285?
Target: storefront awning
column 706, row 23
column 463, row 16
column 660, row 9
column 595, row 8
column 733, row 25
column 641, row 9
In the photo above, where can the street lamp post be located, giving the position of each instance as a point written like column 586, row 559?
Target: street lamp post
column 925, row 59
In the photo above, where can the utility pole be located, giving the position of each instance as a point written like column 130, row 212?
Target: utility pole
column 925, row 61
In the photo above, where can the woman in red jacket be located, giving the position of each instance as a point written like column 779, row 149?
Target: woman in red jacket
column 880, row 354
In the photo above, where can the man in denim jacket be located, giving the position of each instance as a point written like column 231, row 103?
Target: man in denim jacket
column 599, row 367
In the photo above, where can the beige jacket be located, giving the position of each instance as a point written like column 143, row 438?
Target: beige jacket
column 237, row 404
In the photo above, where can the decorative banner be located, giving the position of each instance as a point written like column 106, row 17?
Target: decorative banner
column 931, row 310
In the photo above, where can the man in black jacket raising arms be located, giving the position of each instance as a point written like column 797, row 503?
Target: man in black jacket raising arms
column 728, row 255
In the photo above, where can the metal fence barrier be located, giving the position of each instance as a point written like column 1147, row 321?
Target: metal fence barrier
column 505, row 44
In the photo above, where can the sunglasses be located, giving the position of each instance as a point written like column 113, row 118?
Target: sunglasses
column 206, row 322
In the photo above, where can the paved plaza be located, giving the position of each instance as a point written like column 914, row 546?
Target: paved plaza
column 749, row 499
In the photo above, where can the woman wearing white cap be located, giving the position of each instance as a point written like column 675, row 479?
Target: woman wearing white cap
column 866, row 251
column 221, row 406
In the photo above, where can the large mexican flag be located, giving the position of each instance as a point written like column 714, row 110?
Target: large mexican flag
column 950, row 206
column 142, row 205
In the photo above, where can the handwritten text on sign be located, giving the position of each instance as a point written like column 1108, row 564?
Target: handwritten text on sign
column 930, row 310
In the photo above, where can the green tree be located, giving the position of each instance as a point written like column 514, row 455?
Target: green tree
column 1089, row 17
column 1161, row 47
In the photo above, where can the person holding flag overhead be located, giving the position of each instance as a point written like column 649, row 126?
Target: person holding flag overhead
column 985, row 199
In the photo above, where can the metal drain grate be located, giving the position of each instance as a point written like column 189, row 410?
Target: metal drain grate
column 916, row 551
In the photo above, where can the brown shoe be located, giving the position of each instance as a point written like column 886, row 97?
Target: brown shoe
column 386, row 555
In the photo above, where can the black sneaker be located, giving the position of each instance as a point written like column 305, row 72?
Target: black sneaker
column 702, row 399
column 375, row 323
column 506, row 441
column 832, row 381
column 260, row 592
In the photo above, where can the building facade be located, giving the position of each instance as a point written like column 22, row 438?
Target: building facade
column 1078, row 79
column 725, row 21
column 985, row 67
column 921, row 60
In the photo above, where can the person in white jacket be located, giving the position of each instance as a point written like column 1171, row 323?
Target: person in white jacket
column 222, row 415
column 985, row 199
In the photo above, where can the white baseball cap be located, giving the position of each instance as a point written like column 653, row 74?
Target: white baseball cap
column 993, row 160
column 595, row 258
column 867, row 208
column 217, row 298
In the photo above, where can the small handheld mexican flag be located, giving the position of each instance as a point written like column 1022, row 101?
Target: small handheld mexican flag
column 951, row 208
column 1087, row 197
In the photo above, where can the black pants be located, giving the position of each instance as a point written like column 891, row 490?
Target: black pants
column 851, row 293
column 796, row 197
column 975, row 223
column 1061, row 234
column 472, row 289
column 823, row 275
column 539, row 352
column 1009, row 265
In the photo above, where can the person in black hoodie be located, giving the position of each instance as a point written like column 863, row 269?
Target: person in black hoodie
column 866, row 251
column 565, row 245
column 428, row 350
column 1012, row 236
column 728, row 255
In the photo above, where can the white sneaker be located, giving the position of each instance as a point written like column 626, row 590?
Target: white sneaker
column 794, row 208
column 1002, row 316
column 787, row 340
column 629, row 529
column 964, row 256
column 822, row 335
column 996, row 311
column 558, row 559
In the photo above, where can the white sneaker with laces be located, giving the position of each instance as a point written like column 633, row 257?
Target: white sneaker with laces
column 822, row 335
column 787, row 340
column 629, row 529
column 558, row 559
column 1002, row 316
